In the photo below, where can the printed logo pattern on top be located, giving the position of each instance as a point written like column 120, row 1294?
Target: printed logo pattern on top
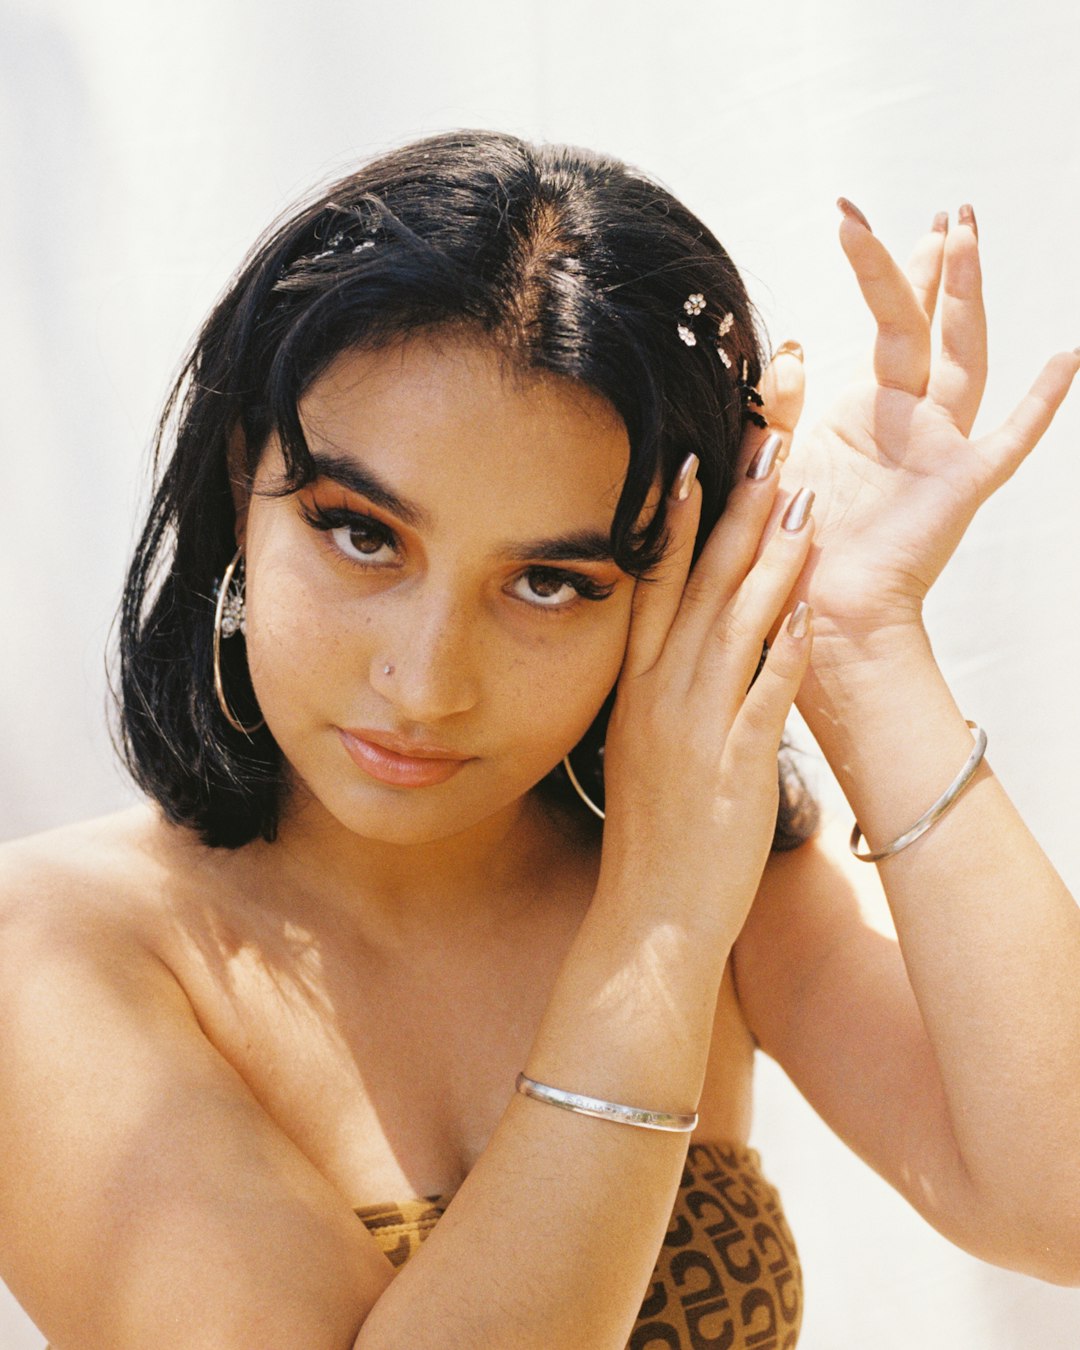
column 727, row 1276
column 400, row 1228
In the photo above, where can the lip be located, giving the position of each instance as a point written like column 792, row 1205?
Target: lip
column 399, row 763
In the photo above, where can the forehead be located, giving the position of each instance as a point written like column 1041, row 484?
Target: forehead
column 449, row 424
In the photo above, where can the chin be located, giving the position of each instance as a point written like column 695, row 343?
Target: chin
column 401, row 816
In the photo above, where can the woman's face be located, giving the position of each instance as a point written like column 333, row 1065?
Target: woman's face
column 444, row 587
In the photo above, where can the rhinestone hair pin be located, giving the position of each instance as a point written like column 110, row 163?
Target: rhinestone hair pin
column 355, row 236
column 695, row 305
column 336, row 245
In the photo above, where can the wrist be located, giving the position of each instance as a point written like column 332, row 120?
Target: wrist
column 887, row 723
column 845, row 647
column 864, row 681
column 852, row 667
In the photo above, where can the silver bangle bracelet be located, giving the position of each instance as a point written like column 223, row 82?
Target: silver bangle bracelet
column 596, row 1106
column 947, row 798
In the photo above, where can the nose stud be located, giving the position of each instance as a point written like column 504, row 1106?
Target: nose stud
column 388, row 669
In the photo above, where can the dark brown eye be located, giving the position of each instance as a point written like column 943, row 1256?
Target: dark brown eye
column 553, row 588
column 365, row 539
column 362, row 540
column 545, row 588
column 355, row 535
column 547, row 584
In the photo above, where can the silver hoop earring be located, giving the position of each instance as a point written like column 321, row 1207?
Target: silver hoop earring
column 230, row 618
column 580, row 790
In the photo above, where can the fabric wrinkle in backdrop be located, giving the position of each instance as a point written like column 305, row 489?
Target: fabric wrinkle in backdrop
column 145, row 146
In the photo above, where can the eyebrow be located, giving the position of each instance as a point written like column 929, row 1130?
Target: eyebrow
column 574, row 546
column 356, row 478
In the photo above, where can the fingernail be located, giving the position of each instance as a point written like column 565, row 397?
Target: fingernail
column 799, row 623
column 941, row 222
column 684, row 479
column 765, row 457
column 790, row 348
column 966, row 216
column 852, row 212
column 796, row 515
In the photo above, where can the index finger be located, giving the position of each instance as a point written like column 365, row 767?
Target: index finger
column 658, row 596
column 902, row 348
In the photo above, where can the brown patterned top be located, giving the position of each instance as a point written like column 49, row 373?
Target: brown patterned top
column 727, row 1276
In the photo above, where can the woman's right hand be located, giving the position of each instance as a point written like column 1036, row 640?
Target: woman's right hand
column 690, row 759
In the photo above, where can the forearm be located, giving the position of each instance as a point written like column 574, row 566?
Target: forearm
column 552, row 1238
column 989, row 933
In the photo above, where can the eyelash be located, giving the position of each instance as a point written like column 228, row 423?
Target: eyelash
column 330, row 518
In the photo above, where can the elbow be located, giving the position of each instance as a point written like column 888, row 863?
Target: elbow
column 1045, row 1252
column 1052, row 1267
column 1056, row 1264
column 1029, row 1221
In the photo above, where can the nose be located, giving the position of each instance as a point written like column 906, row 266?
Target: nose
column 427, row 663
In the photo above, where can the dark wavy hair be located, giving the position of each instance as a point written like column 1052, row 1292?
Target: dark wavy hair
column 567, row 261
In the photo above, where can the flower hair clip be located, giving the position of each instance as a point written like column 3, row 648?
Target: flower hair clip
column 693, row 306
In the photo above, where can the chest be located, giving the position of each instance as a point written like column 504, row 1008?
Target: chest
column 390, row 1071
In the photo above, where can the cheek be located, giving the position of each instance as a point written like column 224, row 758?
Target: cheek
column 296, row 640
column 559, row 685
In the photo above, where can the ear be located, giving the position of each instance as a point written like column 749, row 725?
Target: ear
column 239, row 480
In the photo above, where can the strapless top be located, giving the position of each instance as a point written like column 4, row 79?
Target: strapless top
column 727, row 1276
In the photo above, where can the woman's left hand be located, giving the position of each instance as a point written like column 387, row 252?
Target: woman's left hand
column 896, row 476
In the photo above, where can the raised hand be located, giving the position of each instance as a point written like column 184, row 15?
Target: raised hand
column 897, row 477
column 690, row 759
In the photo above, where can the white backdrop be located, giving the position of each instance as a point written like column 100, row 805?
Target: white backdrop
column 144, row 145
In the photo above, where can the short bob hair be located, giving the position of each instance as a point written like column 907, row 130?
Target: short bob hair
column 567, row 262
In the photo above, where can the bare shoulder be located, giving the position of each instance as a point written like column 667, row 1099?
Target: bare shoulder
column 75, row 896
column 121, row 883
column 84, row 914
column 136, row 1161
column 94, row 867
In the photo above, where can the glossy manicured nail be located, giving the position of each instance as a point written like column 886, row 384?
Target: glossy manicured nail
column 684, row 479
column 799, row 623
column 765, row 457
column 795, row 516
column 966, row 216
column 941, row 222
column 852, row 212
column 790, row 348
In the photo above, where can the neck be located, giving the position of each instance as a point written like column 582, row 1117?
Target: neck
column 396, row 893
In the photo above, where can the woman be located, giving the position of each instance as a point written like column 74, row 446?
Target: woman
column 440, row 529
